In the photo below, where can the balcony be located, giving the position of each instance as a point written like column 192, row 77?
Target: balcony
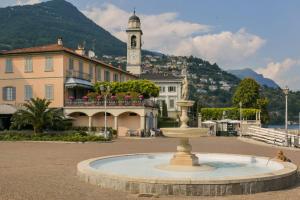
column 110, row 103
column 78, row 75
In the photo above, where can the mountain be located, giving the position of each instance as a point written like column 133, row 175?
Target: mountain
column 43, row 23
column 243, row 73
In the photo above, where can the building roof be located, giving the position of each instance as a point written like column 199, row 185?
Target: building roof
column 57, row 48
column 160, row 77
column 134, row 17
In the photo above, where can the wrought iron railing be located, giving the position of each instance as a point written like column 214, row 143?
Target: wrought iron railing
column 84, row 102
column 78, row 74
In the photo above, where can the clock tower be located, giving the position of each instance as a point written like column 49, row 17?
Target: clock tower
column 134, row 44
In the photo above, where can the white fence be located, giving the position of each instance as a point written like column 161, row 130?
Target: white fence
column 272, row 136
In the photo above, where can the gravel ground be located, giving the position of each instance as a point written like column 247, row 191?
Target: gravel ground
column 47, row 171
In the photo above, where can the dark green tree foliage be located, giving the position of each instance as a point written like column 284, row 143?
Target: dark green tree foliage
column 247, row 92
column 164, row 109
column 37, row 114
column 145, row 87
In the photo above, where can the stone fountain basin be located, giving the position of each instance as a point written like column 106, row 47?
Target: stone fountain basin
column 185, row 132
column 185, row 103
column 234, row 174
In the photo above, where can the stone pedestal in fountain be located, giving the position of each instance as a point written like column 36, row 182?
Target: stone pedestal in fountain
column 184, row 155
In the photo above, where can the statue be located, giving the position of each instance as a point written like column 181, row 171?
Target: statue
column 185, row 88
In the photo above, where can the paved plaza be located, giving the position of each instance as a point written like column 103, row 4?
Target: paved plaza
column 47, row 171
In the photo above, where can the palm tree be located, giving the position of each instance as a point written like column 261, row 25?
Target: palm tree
column 37, row 113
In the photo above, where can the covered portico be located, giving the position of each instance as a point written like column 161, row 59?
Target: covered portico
column 120, row 118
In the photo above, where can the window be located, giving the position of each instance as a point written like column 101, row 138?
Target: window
column 91, row 71
column 162, row 89
column 116, row 77
column 71, row 64
column 171, row 103
column 107, row 75
column 122, row 78
column 80, row 69
column 49, row 92
column 28, row 64
column 49, row 64
column 133, row 41
column 9, row 66
column 98, row 73
column 27, row 92
column 9, row 93
column 171, row 89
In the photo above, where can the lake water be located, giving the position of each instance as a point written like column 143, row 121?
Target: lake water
column 292, row 127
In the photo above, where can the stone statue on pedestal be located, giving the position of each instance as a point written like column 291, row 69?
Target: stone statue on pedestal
column 185, row 88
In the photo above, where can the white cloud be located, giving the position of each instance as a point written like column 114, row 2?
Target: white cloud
column 285, row 73
column 27, row 2
column 166, row 33
column 5, row 3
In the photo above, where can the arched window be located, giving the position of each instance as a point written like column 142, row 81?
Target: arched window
column 133, row 41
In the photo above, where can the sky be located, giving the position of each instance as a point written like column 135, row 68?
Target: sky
column 259, row 34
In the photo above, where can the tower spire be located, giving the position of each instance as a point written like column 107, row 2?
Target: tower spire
column 134, row 11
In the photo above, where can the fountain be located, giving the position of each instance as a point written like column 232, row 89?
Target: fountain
column 187, row 173
column 183, row 156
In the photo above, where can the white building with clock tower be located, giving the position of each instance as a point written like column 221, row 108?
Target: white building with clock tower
column 134, row 44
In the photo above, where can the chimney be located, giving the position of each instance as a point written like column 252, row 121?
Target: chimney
column 59, row 41
column 80, row 50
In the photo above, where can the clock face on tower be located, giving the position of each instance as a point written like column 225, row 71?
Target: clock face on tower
column 133, row 56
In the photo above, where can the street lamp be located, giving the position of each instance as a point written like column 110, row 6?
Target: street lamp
column 240, row 118
column 106, row 90
column 286, row 92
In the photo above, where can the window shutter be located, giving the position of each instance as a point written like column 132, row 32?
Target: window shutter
column 49, row 64
column 4, row 94
column 71, row 64
column 8, row 66
column 13, row 93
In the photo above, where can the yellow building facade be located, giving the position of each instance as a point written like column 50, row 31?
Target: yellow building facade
column 58, row 74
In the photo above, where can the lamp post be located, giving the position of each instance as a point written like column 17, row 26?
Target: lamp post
column 286, row 92
column 106, row 90
column 240, row 118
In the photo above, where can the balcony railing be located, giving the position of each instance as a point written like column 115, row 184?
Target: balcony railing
column 78, row 74
column 100, row 103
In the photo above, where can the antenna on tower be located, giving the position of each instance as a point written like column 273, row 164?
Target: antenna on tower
column 134, row 10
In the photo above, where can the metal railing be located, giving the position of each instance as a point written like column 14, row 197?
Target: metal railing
column 78, row 74
column 83, row 102
column 272, row 136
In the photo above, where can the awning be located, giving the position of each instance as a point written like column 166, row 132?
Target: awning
column 75, row 82
column 208, row 122
column 6, row 109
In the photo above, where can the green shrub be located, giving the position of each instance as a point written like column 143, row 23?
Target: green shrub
column 63, row 136
column 230, row 113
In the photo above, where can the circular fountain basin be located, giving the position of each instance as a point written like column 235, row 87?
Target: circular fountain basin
column 185, row 132
column 228, row 174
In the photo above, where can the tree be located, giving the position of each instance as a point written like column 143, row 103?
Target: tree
column 36, row 113
column 164, row 109
column 247, row 92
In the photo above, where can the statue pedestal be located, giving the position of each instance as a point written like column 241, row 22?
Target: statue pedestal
column 184, row 105
column 183, row 156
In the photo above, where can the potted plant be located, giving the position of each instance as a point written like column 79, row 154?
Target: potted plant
column 71, row 98
column 85, row 98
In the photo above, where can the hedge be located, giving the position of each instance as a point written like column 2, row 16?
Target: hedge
column 230, row 113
